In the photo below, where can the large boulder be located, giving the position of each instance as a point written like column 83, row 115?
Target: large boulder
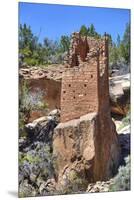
column 88, row 146
column 120, row 94
column 42, row 128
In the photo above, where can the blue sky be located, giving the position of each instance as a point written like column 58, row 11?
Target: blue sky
column 52, row 21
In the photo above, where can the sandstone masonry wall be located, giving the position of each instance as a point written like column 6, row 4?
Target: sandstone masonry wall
column 85, row 84
column 79, row 94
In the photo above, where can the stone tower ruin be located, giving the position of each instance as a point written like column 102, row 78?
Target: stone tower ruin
column 86, row 138
column 85, row 84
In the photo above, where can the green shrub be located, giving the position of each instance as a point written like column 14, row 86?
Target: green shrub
column 125, row 121
column 121, row 182
column 74, row 183
column 29, row 101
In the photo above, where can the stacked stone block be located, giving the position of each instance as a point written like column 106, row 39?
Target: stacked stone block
column 85, row 83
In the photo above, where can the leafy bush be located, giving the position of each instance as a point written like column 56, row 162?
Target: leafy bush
column 125, row 121
column 74, row 183
column 29, row 101
column 121, row 182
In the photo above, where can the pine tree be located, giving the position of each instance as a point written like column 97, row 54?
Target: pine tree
column 125, row 44
column 118, row 41
column 83, row 30
column 65, row 43
column 92, row 32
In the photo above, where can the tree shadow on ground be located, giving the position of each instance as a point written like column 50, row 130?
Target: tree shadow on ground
column 124, row 140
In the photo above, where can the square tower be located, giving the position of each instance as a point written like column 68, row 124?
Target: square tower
column 85, row 83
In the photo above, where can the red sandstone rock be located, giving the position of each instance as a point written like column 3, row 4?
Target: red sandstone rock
column 82, row 142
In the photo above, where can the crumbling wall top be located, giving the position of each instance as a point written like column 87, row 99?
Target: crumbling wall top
column 83, row 48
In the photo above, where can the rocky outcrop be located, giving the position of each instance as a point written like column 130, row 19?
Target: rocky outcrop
column 44, row 83
column 73, row 149
column 48, row 80
column 99, row 186
column 81, row 146
column 121, row 181
column 124, row 140
column 120, row 94
column 40, row 128
column 53, row 72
